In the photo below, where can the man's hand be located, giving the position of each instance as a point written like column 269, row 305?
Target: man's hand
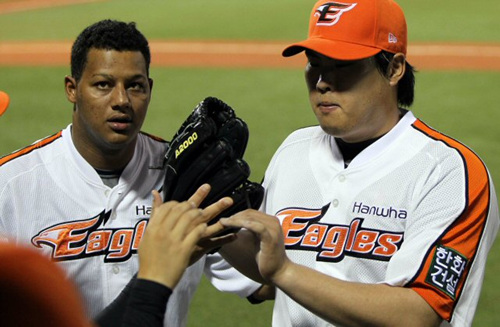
column 170, row 241
column 269, row 253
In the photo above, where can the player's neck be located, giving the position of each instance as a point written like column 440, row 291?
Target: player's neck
column 351, row 150
column 110, row 177
column 108, row 158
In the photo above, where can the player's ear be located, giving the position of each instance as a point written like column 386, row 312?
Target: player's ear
column 70, row 88
column 396, row 69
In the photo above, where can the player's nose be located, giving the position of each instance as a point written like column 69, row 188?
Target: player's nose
column 120, row 98
column 323, row 85
column 330, row 81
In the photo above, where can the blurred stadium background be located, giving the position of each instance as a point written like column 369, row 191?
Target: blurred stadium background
column 272, row 100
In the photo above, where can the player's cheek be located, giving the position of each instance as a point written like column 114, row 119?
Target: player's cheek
column 311, row 78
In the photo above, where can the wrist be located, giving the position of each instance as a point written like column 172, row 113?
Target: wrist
column 284, row 275
column 148, row 284
column 160, row 278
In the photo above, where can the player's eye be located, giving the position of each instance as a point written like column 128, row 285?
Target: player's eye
column 102, row 85
column 136, row 86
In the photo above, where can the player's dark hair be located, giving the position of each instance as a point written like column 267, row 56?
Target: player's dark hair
column 107, row 35
column 406, row 86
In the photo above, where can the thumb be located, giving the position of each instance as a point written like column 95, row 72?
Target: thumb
column 157, row 200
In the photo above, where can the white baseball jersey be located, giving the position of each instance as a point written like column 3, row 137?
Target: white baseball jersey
column 415, row 209
column 52, row 198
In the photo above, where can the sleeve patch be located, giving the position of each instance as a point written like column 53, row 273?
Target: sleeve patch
column 446, row 270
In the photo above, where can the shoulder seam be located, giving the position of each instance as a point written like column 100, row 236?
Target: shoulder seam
column 154, row 137
column 30, row 148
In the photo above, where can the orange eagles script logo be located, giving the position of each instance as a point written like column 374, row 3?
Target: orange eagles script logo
column 304, row 231
column 329, row 13
column 81, row 239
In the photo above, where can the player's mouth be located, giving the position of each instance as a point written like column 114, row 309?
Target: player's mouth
column 120, row 123
column 326, row 107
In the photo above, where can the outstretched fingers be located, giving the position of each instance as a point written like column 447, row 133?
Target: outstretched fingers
column 179, row 215
column 216, row 208
column 160, row 210
column 184, row 222
column 201, row 193
column 170, row 239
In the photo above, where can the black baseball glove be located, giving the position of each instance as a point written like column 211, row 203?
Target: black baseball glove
column 209, row 148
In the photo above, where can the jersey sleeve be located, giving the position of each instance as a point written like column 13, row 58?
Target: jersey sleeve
column 454, row 225
column 226, row 278
column 141, row 303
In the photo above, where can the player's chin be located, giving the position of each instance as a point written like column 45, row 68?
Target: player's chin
column 333, row 124
column 331, row 129
column 119, row 139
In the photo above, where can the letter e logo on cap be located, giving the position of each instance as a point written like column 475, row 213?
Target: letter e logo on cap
column 329, row 13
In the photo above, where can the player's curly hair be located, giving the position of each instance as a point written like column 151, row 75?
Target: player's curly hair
column 406, row 86
column 108, row 35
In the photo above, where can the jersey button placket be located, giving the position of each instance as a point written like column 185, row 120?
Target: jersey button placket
column 341, row 179
column 113, row 197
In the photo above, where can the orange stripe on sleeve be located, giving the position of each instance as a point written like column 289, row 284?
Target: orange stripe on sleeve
column 154, row 137
column 30, row 148
column 463, row 236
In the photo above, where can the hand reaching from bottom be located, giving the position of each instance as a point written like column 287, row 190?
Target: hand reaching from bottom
column 170, row 240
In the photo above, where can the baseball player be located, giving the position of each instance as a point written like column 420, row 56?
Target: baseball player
column 83, row 195
column 372, row 218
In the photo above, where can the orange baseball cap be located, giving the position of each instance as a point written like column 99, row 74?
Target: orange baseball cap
column 351, row 30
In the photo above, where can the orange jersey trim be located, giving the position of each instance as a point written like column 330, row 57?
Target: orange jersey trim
column 464, row 235
column 154, row 137
column 30, row 148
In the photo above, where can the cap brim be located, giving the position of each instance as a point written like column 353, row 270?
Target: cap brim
column 333, row 49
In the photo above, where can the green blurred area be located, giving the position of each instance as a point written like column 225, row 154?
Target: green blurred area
column 273, row 102
column 444, row 20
